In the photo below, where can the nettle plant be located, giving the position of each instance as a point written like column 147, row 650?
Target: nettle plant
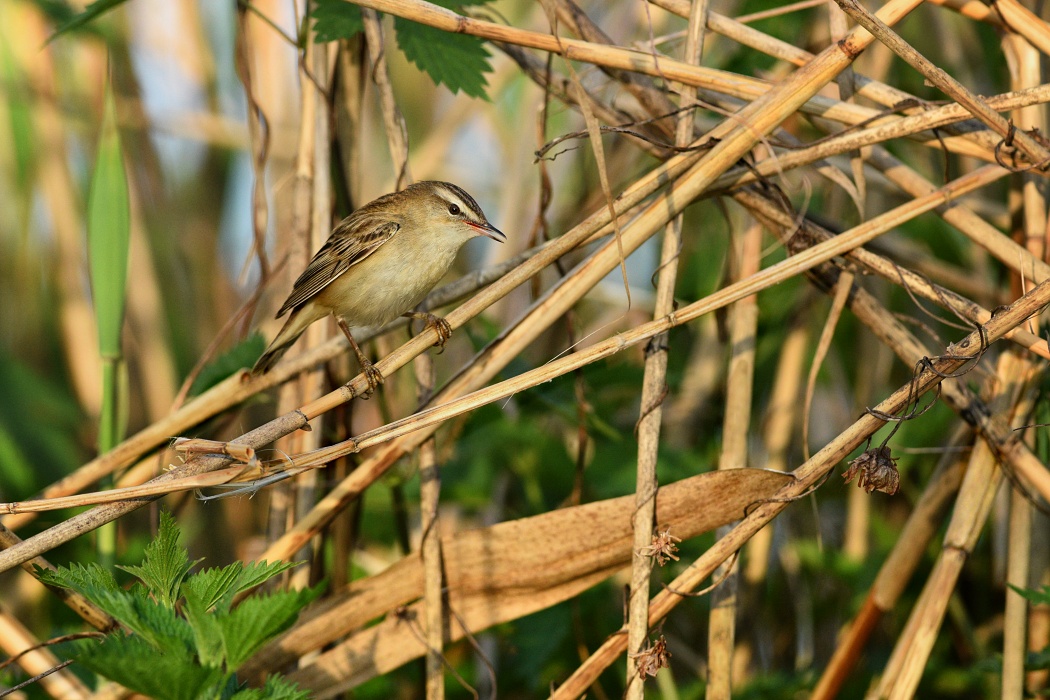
column 182, row 637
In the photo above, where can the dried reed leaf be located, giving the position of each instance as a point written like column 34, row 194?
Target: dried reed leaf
column 500, row 573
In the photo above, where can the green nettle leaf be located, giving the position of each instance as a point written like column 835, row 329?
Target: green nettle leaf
column 276, row 688
column 89, row 579
column 335, row 19
column 164, row 564
column 457, row 61
column 257, row 572
column 207, row 633
column 208, row 587
column 132, row 662
column 109, row 232
column 260, row 618
column 186, row 651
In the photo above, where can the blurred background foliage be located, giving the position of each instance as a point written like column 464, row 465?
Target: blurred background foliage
column 182, row 115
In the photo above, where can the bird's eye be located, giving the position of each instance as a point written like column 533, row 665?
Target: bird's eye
column 453, row 209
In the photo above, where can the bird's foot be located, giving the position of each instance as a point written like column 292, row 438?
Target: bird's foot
column 373, row 376
column 440, row 326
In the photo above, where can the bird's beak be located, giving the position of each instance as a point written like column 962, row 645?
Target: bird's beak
column 487, row 229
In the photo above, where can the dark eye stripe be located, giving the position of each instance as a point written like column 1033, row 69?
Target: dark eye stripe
column 465, row 198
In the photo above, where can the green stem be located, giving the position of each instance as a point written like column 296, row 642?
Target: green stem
column 108, row 438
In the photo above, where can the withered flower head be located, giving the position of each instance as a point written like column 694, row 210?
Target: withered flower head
column 650, row 660
column 878, row 471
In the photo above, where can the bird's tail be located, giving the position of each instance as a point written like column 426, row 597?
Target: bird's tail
column 290, row 332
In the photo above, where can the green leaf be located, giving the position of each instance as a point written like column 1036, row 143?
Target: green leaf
column 109, row 232
column 257, row 572
column 216, row 588
column 208, row 587
column 207, row 632
column 86, row 579
column 159, row 626
column 242, row 355
column 164, row 564
column 336, row 19
column 90, row 13
column 260, row 618
column 134, row 664
column 1033, row 596
column 457, row 61
column 276, row 688
column 136, row 609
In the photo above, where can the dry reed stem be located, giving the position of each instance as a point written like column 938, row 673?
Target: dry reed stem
column 778, row 435
column 882, row 129
column 1015, row 617
column 92, row 519
column 843, row 287
column 1018, row 18
column 311, row 227
column 808, row 476
column 743, row 327
column 1037, row 154
column 435, row 615
column 238, row 474
column 16, row 640
column 739, row 32
column 1005, row 14
column 652, row 98
column 981, row 481
column 654, row 392
column 964, row 219
column 866, row 87
column 594, row 138
column 75, row 312
column 907, row 553
column 892, row 332
column 393, row 122
column 915, row 284
column 973, row 9
column 731, row 84
column 1025, row 67
column 76, row 602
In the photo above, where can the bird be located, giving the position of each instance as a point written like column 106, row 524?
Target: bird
column 379, row 263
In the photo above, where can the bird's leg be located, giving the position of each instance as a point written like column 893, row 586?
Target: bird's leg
column 439, row 324
column 372, row 375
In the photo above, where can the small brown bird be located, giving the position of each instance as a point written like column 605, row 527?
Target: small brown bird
column 379, row 263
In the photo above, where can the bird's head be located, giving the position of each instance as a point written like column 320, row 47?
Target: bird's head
column 449, row 208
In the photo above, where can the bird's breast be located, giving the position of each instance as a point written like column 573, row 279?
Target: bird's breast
column 387, row 283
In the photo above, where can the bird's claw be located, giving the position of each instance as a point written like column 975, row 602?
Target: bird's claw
column 374, row 378
column 441, row 327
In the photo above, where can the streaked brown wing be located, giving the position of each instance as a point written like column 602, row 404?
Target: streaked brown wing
column 350, row 243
